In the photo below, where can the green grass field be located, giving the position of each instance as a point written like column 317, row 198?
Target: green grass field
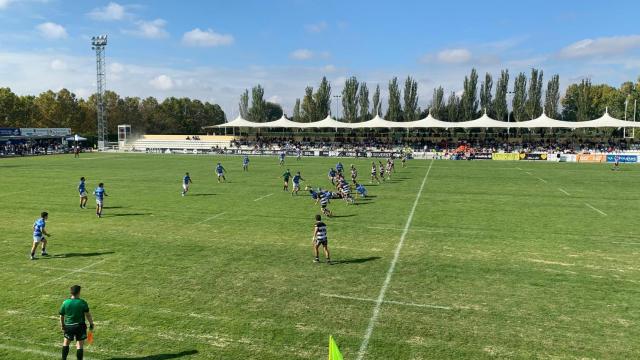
column 501, row 260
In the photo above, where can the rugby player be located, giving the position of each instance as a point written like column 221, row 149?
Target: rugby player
column 320, row 238
column 296, row 183
column 374, row 173
column 286, row 175
column 220, row 172
column 245, row 163
column 332, row 176
column 186, row 181
column 100, row 194
column 38, row 235
column 72, row 322
column 82, row 190
column 282, row 154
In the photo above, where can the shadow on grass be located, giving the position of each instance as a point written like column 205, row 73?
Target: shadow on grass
column 125, row 214
column 342, row 216
column 355, row 261
column 113, row 207
column 200, row 194
column 70, row 255
column 159, row 356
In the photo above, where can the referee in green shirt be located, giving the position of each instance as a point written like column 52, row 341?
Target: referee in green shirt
column 72, row 321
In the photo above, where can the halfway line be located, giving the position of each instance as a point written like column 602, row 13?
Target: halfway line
column 73, row 272
column 211, row 218
column 598, row 210
column 262, row 197
column 392, row 267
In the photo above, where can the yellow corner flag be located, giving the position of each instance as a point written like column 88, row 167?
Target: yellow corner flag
column 334, row 352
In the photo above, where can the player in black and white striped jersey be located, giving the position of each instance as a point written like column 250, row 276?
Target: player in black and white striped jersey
column 320, row 238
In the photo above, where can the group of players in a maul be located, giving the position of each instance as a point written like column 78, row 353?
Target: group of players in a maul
column 74, row 310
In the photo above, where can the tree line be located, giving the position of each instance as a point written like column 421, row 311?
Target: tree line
column 528, row 98
column 63, row 109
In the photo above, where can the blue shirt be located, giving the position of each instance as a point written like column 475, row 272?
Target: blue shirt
column 186, row 180
column 81, row 187
column 332, row 173
column 361, row 189
column 38, row 227
column 219, row 169
column 296, row 179
column 245, row 160
column 99, row 192
column 281, row 156
column 339, row 167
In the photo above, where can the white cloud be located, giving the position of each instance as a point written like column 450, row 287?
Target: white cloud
column 601, row 46
column 207, row 38
column 317, row 27
column 51, row 30
column 302, row 54
column 112, row 12
column 453, row 56
column 4, row 4
column 150, row 29
column 116, row 68
column 275, row 99
column 58, row 64
column 162, row 82
column 329, row 68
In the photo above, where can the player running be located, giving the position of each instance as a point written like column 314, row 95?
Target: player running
column 39, row 232
column 298, row 154
column 320, row 238
column 99, row 194
column 82, row 190
column 332, row 176
column 354, row 174
column 324, row 198
column 361, row 190
column 403, row 159
column 282, row 154
column 374, row 173
column 186, row 181
column 339, row 167
column 245, row 163
column 72, row 322
column 381, row 170
column 296, row 183
column 616, row 164
column 220, row 170
column 286, row 176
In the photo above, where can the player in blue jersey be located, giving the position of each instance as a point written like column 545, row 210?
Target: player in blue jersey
column 82, row 190
column 281, row 156
column 245, row 163
column 39, row 232
column 361, row 190
column 100, row 194
column 220, row 172
column 339, row 167
column 332, row 176
column 296, row 183
column 186, row 181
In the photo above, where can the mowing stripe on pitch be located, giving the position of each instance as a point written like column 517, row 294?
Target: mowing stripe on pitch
column 388, row 302
column 72, row 272
column 392, row 267
column 262, row 197
column 595, row 209
column 24, row 350
column 210, row 218
column 80, row 271
column 13, row 193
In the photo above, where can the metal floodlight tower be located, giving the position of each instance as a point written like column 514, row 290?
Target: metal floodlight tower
column 98, row 43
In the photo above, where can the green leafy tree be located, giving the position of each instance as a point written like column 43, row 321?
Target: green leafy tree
column 438, row 105
column 296, row 111
column 363, row 99
column 520, row 98
column 453, row 109
column 258, row 109
column 322, row 99
column 486, row 87
column 377, row 104
column 243, row 106
column 350, row 99
column 499, row 106
column 309, row 113
column 411, row 110
column 469, row 99
column 534, row 98
column 552, row 97
column 394, row 111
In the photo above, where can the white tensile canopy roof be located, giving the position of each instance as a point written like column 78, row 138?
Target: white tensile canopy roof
column 328, row 122
column 543, row 121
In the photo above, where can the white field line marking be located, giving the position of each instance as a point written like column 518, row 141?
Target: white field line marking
column 626, row 243
column 564, row 191
column 210, row 218
column 543, row 180
column 35, row 351
column 392, row 267
column 262, row 197
column 82, row 271
column 519, row 168
column 596, row 209
column 388, row 302
column 528, row 173
column 13, row 193
column 400, row 229
column 72, row 272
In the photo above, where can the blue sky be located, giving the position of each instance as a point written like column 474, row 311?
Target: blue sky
column 212, row 50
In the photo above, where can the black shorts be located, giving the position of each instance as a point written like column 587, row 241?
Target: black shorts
column 321, row 242
column 75, row 332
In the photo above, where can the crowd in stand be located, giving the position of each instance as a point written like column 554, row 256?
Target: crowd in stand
column 486, row 145
column 32, row 147
column 194, row 137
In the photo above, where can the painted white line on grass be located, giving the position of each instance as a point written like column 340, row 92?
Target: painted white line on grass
column 401, row 229
column 13, row 193
column 210, row 218
column 388, row 302
column 626, row 243
column 72, row 272
column 596, row 209
column 519, row 168
column 392, row 267
column 262, row 197
column 81, row 271
column 528, row 173
column 564, row 191
column 543, row 180
column 24, row 350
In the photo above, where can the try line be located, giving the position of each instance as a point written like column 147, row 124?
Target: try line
column 385, row 285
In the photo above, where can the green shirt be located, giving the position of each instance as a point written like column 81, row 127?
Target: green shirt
column 286, row 175
column 73, row 311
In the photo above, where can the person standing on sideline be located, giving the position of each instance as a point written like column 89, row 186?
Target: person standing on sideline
column 320, row 238
column 72, row 322
column 82, row 190
column 100, row 194
column 39, row 232
column 186, row 181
